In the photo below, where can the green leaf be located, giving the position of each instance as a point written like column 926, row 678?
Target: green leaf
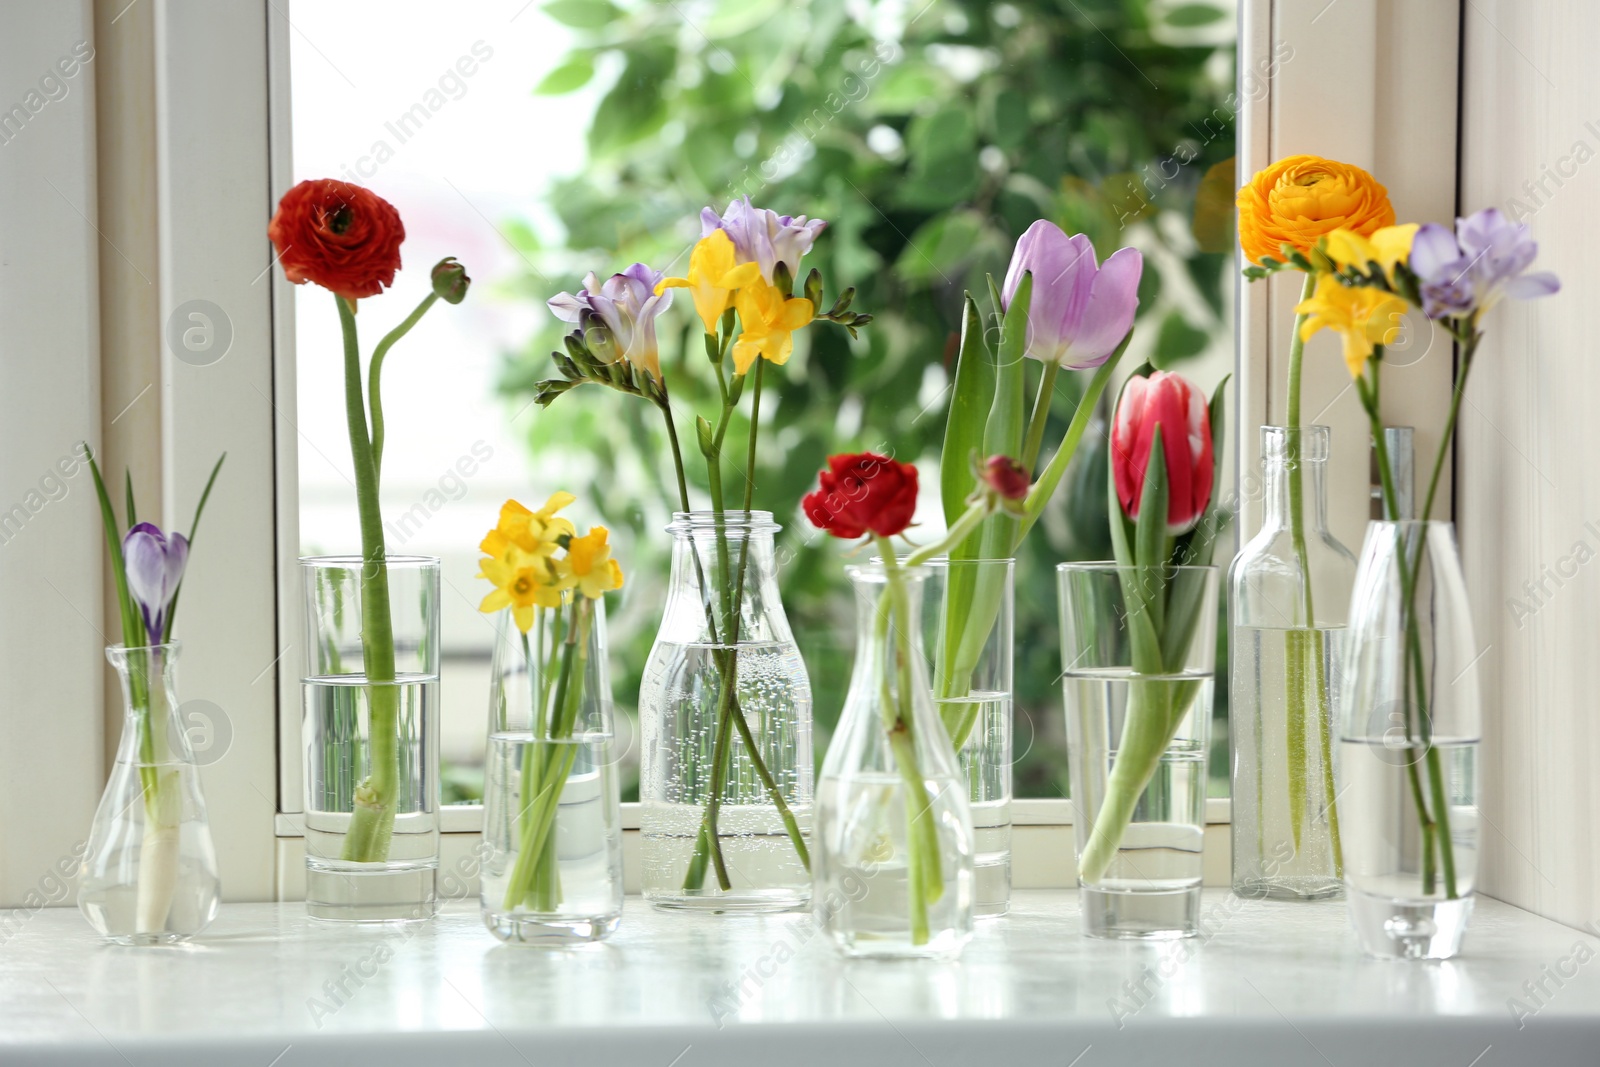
column 1178, row 341
column 971, row 395
column 583, row 14
column 635, row 107
column 940, row 246
column 1150, row 542
column 1008, row 414
column 132, row 633
column 127, row 494
column 572, row 75
column 194, row 529
column 1189, row 15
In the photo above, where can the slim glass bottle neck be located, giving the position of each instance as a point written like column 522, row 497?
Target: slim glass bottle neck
column 1275, row 471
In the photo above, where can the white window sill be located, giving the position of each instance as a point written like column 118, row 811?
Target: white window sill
column 1271, row 984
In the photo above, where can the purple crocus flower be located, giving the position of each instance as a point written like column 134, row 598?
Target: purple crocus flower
column 627, row 304
column 1080, row 310
column 1472, row 269
column 762, row 236
column 154, row 565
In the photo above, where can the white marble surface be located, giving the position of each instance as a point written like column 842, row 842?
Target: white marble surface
column 1271, row 984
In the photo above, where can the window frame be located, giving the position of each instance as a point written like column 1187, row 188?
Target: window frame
column 1345, row 44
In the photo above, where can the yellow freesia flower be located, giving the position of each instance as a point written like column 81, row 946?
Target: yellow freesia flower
column 522, row 582
column 767, row 321
column 589, row 566
column 1386, row 247
column 1362, row 315
column 713, row 277
column 536, row 533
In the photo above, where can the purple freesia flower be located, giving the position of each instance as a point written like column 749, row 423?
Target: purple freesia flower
column 627, row 305
column 762, row 236
column 1472, row 269
column 1080, row 310
column 154, row 566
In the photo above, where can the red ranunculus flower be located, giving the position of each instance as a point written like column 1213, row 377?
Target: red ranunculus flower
column 340, row 236
column 1171, row 402
column 863, row 493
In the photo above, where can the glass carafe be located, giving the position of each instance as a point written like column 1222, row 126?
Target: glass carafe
column 894, row 856
column 1289, row 592
column 725, row 782
column 149, row 872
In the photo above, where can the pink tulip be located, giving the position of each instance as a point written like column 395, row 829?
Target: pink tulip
column 1171, row 402
column 1080, row 310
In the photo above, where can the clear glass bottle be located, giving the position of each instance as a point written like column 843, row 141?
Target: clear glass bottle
column 553, row 869
column 726, row 772
column 149, row 872
column 1409, row 729
column 367, row 741
column 894, row 858
column 1287, row 621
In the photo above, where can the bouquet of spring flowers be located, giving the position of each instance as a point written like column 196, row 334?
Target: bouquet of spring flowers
column 742, row 276
column 147, row 565
column 1058, row 306
column 347, row 239
column 1359, row 286
column 549, row 580
column 1164, row 462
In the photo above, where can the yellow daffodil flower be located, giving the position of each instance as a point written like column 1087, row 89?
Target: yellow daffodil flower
column 522, row 582
column 713, row 277
column 1385, row 247
column 589, row 566
column 767, row 321
column 536, row 533
column 1362, row 315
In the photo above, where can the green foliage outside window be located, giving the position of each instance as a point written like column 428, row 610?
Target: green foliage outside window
column 929, row 135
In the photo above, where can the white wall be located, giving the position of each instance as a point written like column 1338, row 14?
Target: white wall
column 1529, row 438
column 50, row 540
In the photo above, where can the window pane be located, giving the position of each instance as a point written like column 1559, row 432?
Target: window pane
column 929, row 135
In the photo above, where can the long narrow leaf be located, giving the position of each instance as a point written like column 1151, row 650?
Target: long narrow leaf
column 1150, row 544
column 127, row 494
column 1045, row 487
column 131, row 633
column 194, row 527
column 971, row 396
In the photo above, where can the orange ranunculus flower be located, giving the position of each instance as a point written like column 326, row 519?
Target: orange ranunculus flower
column 340, row 236
column 1302, row 198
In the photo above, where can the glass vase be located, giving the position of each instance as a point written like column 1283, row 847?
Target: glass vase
column 726, row 775
column 371, row 744
column 1409, row 729
column 1287, row 607
column 895, row 844
column 552, row 872
column 1137, row 727
column 967, row 622
column 149, row 873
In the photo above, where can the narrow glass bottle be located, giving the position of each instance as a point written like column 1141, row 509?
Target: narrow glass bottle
column 1289, row 596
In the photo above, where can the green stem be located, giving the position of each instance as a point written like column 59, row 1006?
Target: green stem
column 1046, row 484
column 372, row 816
column 923, row 884
column 1297, row 521
column 1041, row 415
column 374, row 397
column 1434, row 828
